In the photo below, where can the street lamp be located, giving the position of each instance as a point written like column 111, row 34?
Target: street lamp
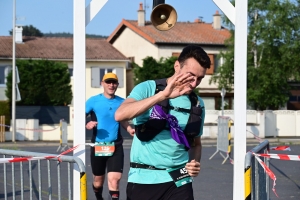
column 13, row 99
column 223, row 92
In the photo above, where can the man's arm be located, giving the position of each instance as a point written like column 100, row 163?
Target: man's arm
column 196, row 150
column 130, row 108
column 127, row 127
column 193, row 167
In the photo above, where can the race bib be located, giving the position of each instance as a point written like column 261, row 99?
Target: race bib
column 104, row 148
column 180, row 176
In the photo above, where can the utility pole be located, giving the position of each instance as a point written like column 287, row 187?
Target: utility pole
column 13, row 99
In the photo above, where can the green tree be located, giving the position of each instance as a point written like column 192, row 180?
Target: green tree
column 42, row 82
column 273, row 53
column 30, row 31
column 153, row 69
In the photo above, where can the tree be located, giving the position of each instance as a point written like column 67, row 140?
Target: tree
column 42, row 83
column 273, row 53
column 153, row 69
column 30, row 31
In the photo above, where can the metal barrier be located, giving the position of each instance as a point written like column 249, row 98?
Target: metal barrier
column 224, row 137
column 256, row 180
column 33, row 183
column 63, row 142
column 2, row 128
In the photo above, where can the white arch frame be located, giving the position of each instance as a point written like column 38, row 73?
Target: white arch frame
column 237, row 15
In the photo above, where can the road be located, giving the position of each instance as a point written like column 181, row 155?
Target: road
column 215, row 181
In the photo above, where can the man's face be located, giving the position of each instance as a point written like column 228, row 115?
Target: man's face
column 110, row 86
column 192, row 67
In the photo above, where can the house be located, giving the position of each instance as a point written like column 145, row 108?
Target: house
column 137, row 39
column 101, row 57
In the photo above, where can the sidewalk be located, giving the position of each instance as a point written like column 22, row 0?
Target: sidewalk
column 127, row 142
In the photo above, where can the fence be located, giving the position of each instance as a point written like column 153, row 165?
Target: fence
column 223, row 138
column 33, row 183
column 256, row 180
column 2, row 128
column 63, row 142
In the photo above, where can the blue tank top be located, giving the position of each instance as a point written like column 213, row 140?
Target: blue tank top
column 104, row 109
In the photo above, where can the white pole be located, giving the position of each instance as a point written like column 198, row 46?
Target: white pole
column 240, row 97
column 13, row 90
column 81, row 17
column 238, row 17
column 79, row 89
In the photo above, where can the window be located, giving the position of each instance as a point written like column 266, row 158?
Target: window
column 4, row 71
column 211, row 70
column 98, row 73
column 2, row 75
column 175, row 54
column 71, row 72
column 293, row 98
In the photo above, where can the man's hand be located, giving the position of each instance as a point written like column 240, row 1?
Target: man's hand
column 90, row 125
column 193, row 168
column 131, row 131
column 178, row 85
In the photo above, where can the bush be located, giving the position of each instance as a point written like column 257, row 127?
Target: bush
column 42, row 83
column 153, row 69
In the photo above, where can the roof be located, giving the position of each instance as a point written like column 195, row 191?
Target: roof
column 58, row 48
column 181, row 33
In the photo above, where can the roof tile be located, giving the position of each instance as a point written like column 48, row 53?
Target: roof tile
column 58, row 48
column 182, row 32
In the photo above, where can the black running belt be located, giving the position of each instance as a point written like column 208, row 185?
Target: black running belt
column 143, row 166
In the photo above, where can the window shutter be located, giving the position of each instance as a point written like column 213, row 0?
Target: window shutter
column 95, row 77
column 211, row 70
column 120, row 74
column 175, row 54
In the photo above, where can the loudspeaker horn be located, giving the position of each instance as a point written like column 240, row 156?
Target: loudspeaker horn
column 163, row 17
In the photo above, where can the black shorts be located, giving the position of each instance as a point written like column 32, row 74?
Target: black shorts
column 114, row 163
column 162, row 191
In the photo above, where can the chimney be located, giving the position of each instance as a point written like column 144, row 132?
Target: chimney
column 18, row 36
column 141, row 16
column 198, row 20
column 217, row 21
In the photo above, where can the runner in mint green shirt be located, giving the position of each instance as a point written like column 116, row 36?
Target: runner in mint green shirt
column 163, row 166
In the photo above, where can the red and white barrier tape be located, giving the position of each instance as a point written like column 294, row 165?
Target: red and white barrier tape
column 268, row 171
column 25, row 159
column 256, row 137
column 281, row 156
column 281, row 148
column 36, row 130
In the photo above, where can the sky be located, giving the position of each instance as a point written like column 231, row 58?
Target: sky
column 57, row 15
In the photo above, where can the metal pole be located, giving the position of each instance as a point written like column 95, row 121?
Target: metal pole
column 13, row 91
column 223, row 94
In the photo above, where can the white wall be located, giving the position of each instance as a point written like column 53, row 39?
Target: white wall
column 287, row 124
column 132, row 45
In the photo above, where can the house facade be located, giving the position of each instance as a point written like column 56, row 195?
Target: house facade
column 137, row 39
column 101, row 57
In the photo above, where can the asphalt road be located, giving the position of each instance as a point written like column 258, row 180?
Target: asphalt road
column 215, row 181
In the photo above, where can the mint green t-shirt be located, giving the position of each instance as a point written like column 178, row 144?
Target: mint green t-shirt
column 162, row 151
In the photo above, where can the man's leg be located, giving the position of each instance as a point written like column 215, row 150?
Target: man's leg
column 113, row 179
column 98, row 186
column 98, row 164
column 114, row 171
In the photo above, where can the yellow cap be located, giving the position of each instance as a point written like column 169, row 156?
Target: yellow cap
column 110, row 76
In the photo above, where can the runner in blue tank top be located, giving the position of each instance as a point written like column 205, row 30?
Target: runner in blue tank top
column 108, row 150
